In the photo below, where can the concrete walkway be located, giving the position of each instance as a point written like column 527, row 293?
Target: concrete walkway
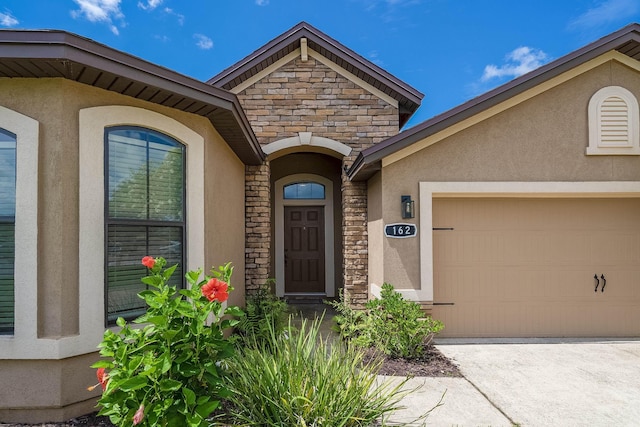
column 533, row 382
column 543, row 383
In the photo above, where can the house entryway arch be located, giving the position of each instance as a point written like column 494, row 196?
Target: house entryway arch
column 324, row 207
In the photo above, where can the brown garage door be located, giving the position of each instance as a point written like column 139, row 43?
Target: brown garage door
column 525, row 267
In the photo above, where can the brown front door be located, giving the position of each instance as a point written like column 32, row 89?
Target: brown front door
column 304, row 249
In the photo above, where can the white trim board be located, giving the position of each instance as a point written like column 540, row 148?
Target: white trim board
column 24, row 343
column 431, row 190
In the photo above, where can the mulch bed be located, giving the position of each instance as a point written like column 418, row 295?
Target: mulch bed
column 90, row 420
column 431, row 364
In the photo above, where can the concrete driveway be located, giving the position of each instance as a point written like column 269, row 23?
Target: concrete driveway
column 543, row 383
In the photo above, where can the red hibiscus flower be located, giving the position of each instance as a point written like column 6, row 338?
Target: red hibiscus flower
column 216, row 290
column 138, row 416
column 148, row 262
column 103, row 378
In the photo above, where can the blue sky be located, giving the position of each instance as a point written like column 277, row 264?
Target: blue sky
column 450, row 50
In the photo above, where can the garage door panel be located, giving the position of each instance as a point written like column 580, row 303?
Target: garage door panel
column 525, row 267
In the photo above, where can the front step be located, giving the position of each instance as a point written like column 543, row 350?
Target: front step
column 295, row 299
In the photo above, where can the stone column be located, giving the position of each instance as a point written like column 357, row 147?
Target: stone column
column 257, row 226
column 354, row 241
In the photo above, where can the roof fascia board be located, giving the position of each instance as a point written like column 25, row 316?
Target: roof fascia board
column 174, row 82
column 60, row 46
column 435, row 134
column 66, row 46
column 341, row 51
column 305, row 30
column 256, row 57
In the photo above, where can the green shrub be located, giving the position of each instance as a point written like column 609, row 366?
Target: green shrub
column 299, row 379
column 264, row 311
column 169, row 371
column 391, row 324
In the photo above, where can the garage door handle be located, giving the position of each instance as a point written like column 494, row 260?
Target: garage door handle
column 595, row 276
column 604, row 283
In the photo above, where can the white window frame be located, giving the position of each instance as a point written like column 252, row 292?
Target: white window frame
column 93, row 122
column 25, row 335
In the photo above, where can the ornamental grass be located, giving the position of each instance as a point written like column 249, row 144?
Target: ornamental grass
column 297, row 378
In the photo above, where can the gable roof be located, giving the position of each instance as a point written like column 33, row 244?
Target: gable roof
column 52, row 53
column 408, row 98
column 369, row 161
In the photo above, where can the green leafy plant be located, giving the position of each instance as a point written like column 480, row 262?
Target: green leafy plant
column 391, row 324
column 296, row 378
column 168, row 371
column 349, row 323
column 264, row 312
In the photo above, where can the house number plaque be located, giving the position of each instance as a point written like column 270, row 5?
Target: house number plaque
column 400, row 231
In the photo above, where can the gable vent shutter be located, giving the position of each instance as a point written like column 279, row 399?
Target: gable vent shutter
column 614, row 122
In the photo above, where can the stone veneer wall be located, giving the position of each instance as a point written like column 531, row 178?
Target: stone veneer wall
column 257, row 230
column 307, row 96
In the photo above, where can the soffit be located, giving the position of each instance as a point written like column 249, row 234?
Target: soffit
column 58, row 54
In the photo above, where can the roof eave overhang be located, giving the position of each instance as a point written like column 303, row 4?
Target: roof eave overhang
column 41, row 54
column 371, row 161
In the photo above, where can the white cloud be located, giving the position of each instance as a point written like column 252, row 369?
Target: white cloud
column 203, row 42
column 262, row 2
column 170, row 11
column 7, row 20
column 518, row 62
column 606, row 12
column 373, row 57
column 150, row 5
column 103, row 11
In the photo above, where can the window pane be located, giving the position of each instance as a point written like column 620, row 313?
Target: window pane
column 304, row 190
column 7, row 174
column 7, row 246
column 146, row 213
column 126, row 246
column 7, row 229
column 146, row 175
column 127, row 176
column 166, row 184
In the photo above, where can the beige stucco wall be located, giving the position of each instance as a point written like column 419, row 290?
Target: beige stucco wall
column 375, row 230
column 541, row 139
column 224, row 212
column 55, row 104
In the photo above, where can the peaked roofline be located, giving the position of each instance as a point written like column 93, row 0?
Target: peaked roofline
column 60, row 54
column 368, row 162
column 409, row 98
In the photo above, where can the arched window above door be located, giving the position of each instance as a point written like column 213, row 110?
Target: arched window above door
column 304, row 190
